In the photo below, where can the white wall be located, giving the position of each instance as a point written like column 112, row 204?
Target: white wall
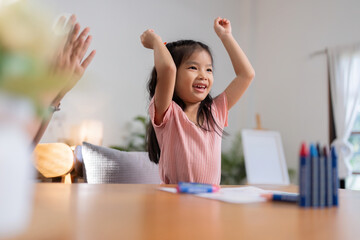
column 114, row 87
column 291, row 89
column 279, row 37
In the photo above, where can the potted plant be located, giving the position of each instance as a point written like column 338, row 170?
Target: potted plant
column 233, row 164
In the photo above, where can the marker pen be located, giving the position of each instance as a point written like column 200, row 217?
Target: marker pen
column 305, row 177
column 322, row 176
column 314, row 161
column 282, row 197
column 335, row 179
column 329, row 178
column 194, row 188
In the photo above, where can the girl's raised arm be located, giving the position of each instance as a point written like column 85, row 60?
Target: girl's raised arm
column 166, row 73
column 242, row 67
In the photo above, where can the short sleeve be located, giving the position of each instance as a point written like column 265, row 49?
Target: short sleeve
column 221, row 109
column 152, row 114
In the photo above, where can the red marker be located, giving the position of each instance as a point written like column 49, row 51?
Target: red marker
column 305, row 177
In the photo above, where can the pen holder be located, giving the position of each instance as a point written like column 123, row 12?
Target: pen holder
column 318, row 177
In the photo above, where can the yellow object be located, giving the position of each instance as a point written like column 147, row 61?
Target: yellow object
column 54, row 160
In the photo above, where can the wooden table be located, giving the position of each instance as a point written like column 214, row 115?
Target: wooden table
column 119, row 211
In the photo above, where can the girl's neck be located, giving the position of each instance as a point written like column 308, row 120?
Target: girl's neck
column 191, row 111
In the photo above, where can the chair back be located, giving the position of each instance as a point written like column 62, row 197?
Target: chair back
column 54, row 159
column 107, row 165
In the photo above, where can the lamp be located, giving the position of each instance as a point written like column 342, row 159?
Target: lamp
column 90, row 131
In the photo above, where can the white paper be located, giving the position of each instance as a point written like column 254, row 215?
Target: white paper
column 247, row 194
column 168, row 189
column 237, row 195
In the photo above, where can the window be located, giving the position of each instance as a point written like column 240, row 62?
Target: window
column 355, row 141
column 353, row 181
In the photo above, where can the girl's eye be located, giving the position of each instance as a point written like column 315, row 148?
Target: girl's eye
column 192, row 67
column 209, row 70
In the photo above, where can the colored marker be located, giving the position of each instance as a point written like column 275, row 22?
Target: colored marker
column 194, row 188
column 282, row 197
column 329, row 178
column 314, row 159
column 335, row 182
column 322, row 176
column 305, row 177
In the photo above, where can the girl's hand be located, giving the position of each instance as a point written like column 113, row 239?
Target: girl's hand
column 149, row 38
column 222, row 27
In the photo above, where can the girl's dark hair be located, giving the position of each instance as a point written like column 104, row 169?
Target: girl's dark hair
column 181, row 51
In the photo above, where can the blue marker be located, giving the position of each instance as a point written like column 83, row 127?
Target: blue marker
column 314, row 161
column 282, row 197
column 194, row 188
column 335, row 179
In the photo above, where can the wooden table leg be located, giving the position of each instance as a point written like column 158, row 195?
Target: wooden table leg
column 66, row 178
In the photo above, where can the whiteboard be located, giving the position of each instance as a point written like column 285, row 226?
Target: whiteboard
column 264, row 157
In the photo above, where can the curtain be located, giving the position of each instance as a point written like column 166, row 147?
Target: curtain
column 344, row 73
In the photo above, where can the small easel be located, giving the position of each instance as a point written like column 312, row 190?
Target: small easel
column 258, row 122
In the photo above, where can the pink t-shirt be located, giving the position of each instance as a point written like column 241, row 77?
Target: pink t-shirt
column 189, row 153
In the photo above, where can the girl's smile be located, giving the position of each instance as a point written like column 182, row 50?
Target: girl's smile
column 200, row 87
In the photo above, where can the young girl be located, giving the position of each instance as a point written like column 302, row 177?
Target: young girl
column 187, row 124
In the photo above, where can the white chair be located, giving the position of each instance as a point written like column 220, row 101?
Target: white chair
column 264, row 157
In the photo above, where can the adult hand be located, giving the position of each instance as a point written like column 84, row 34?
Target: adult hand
column 70, row 63
column 149, row 38
column 222, row 27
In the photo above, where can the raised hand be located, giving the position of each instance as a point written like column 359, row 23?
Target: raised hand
column 68, row 67
column 242, row 67
column 149, row 38
column 70, row 62
column 222, row 27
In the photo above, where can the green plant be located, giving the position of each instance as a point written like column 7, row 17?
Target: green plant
column 292, row 175
column 233, row 164
column 137, row 139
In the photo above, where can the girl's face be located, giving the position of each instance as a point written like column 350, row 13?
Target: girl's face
column 194, row 78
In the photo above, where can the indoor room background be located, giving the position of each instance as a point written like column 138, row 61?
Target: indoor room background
column 284, row 40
